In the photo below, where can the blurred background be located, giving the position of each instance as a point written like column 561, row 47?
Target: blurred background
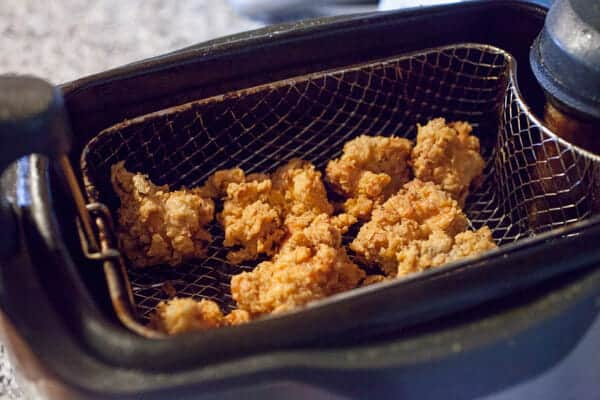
column 62, row 40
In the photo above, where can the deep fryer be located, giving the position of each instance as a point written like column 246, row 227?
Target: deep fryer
column 429, row 325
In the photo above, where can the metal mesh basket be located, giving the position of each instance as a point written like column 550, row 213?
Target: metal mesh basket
column 533, row 180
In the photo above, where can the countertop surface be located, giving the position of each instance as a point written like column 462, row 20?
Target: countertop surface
column 62, row 40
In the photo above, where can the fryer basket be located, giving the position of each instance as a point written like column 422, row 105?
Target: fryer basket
column 533, row 180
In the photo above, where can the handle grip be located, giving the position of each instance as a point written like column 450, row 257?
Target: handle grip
column 32, row 119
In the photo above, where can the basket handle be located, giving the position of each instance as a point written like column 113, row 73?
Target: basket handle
column 32, row 120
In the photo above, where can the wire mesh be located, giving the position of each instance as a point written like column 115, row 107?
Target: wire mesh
column 533, row 182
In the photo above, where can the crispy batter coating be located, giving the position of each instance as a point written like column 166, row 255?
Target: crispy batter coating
column 311, row 265
column 259, row 211
column 373, row 279
column 411, row 216
column 253, row 218
column 302, row 189
column 182, row 315
column 440, row 248
column 236, row 317
column 216, row 184
column 371, row 169
column 343, row 221
column 158, row 226
column 447, row 154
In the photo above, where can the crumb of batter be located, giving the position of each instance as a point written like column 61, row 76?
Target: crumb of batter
column 447, row 154
column 371, row 169
column 183, row 315
column 216, row 184
column 312, row 264
column 373, row 279
column 236, row 317
column 159, row 226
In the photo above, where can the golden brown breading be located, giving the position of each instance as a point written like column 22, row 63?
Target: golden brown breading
column 182, row 315
column 448, row 155
column 236, row 317
column 312, row 264
column 253, row 217
column 343, row 221
column 440, row 248
column 418, row 210
column 371, row 169
column 373, row 279
column 302, row 188
column 259, row 211
column 159, row 226
column 216, row 184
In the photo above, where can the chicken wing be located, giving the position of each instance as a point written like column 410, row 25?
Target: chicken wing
column 311, row 264
column 371, row 169
column 182, row 315
column 447, row 154
column 420, row 227
column 159, row 226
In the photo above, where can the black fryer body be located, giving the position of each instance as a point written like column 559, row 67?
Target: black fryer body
column 62, row 323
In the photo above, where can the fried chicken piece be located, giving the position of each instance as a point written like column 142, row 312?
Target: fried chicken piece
column 420, row 216
column 182, row 315
column 371, row 169
column 303, row 191
column 259, row 210
column 253, row 217
column 312, row 264
column 440, row 248
column 447, row 154
column 157, row 225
